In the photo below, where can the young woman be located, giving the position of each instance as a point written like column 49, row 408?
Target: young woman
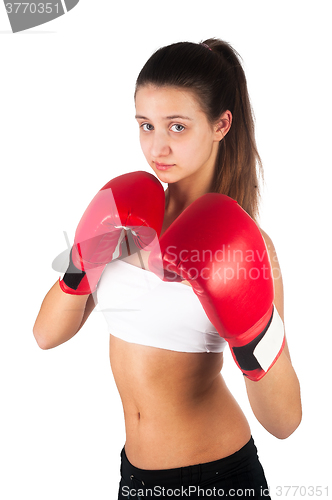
column 185, row 434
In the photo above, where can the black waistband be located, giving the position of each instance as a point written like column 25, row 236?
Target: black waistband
column 191, row 473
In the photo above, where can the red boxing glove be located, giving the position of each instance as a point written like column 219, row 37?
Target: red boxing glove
column 218, row 248
column 134, row 201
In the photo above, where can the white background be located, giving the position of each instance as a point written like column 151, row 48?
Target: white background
column 67, row 127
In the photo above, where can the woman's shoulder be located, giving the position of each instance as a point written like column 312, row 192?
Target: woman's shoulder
column 276, row 271
column 267, row 239
column 271, row 251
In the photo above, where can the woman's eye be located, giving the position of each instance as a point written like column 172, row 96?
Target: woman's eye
column 147, row 127
column 177, row 127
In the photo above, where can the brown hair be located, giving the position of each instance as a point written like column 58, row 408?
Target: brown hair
column 213, row 71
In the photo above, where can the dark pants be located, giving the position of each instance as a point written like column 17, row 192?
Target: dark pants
column 237, row 476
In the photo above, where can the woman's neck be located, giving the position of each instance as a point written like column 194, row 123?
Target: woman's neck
column 179, row 195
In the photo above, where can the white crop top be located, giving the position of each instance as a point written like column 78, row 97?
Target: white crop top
column 141, row 308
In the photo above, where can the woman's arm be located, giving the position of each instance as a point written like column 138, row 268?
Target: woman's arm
column 61, row 316
column 275, row 399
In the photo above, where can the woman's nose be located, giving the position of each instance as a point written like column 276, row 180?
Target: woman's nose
column 160, row 145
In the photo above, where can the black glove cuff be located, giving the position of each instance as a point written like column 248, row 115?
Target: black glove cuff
column 73, row 276
column 245, row 354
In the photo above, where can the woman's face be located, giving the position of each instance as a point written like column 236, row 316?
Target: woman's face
column 176, row 138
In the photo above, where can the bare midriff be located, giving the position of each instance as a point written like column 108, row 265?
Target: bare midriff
column 178, row 410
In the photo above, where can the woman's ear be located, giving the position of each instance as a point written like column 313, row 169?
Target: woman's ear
column 223, row 125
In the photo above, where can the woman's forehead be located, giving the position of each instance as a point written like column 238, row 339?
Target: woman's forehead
column 166, row 101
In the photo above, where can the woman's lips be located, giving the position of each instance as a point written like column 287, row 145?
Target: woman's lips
column 163, row 166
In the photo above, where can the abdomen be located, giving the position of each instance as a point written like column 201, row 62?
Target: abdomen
column 178, row 409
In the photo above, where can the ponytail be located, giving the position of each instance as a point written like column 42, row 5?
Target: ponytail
column 238, row 162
